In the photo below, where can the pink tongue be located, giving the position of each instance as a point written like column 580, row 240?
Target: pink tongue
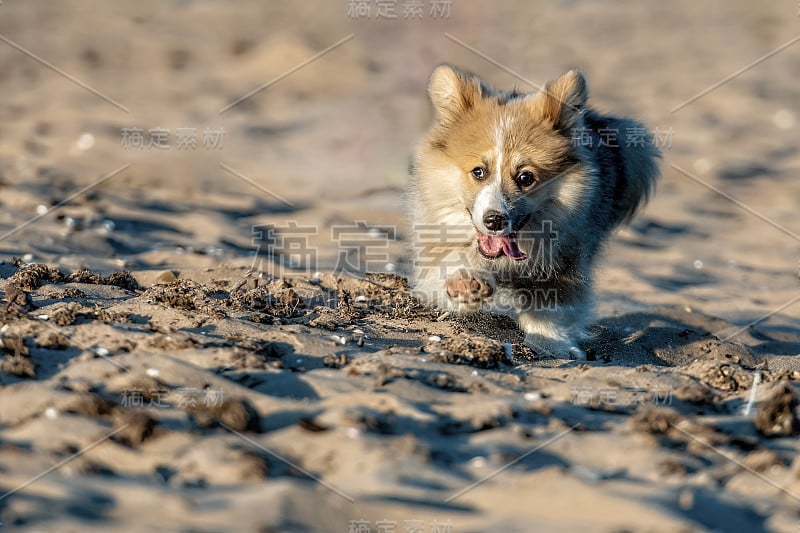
column 497, row 245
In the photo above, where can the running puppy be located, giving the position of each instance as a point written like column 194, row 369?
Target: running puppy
column 513, row 196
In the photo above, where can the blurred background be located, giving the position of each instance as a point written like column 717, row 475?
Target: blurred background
column 171, row 130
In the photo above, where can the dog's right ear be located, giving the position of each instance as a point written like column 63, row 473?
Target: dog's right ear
column 564, row 99
column 452, row 92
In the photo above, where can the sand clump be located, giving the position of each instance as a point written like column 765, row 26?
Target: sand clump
column 32, row 276
column 232, row 413
column 277, row 299
column 655, row 420
column 16, row 357
column 466, row 349
column 19, row 366
column 123, row 280
column 721, row 375
column 181, row 294
column 777, row 415
column 133, row 426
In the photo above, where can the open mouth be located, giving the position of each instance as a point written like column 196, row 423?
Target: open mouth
column 493, row 246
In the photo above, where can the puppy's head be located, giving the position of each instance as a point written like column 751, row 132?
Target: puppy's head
column 506, row 159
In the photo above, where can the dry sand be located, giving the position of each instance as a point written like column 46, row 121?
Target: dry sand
column 198, row 394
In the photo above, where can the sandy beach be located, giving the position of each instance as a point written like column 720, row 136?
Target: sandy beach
column 206, row 319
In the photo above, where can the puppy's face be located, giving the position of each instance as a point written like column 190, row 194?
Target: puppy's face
column 505, row 156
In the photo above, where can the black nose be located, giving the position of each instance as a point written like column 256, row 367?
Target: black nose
column 494, row 220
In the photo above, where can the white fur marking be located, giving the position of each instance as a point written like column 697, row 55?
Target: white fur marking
column 489, row 199
column 491, row 196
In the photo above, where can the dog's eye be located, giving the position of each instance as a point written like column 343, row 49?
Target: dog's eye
column 478, row 173
column 525, row 178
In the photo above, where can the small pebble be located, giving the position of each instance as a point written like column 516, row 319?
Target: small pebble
column 41, row 209
column 85, row 142
column 475, row 373
column 478, row 462
column 109, row 226
column 51, row 413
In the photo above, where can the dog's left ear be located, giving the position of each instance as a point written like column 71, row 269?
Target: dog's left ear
column 564, row 99
column 452, row 92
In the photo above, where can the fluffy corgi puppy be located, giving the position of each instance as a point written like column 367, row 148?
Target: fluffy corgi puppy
column 512, row 197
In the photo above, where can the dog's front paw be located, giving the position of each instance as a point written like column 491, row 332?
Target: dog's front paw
column 468, row 288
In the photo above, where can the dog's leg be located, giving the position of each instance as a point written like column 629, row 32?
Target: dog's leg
column 554, row 323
